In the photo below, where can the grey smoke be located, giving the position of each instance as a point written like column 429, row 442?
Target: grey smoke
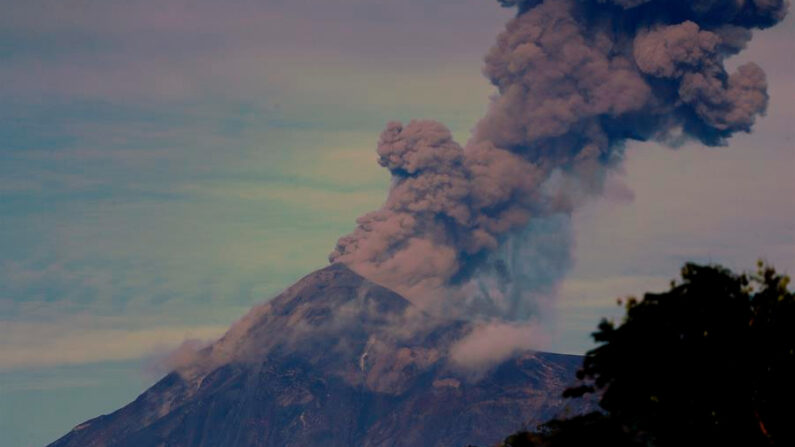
column 483, row 229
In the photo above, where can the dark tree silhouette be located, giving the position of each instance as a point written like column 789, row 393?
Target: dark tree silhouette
column 710, row 362
column 593, row 429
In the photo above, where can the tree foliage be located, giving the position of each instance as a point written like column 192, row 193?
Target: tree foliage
column 709, row 362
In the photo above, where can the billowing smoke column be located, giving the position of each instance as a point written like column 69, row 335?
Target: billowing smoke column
column 482, row 228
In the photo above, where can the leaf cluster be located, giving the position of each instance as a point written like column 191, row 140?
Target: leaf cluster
column 709, row 362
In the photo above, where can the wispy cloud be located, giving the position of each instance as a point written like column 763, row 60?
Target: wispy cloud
column 74, row 341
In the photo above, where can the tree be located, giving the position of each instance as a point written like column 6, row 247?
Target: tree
column 709, row 362
column 712, row 361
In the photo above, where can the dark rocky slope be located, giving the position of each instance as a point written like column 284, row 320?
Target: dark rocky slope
column 333, row 361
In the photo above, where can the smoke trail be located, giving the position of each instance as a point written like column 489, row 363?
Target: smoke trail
column 484, row 228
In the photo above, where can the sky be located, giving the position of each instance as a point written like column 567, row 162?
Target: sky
column 165, row 165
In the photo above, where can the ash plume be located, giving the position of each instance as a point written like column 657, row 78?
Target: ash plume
column 483, row 229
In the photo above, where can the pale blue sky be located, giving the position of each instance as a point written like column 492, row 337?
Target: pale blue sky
column 166, row 164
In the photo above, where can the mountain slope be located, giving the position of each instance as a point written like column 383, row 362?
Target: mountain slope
column 335, row 360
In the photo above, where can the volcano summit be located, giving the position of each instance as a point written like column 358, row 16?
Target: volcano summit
column 324, row 364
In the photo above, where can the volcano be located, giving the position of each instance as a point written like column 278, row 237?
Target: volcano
column 336, row 360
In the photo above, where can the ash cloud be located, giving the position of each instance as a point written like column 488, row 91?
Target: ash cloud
column 482, row 229
column 489, row 344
